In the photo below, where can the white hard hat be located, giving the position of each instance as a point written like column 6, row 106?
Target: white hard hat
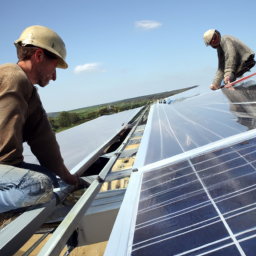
column 47, row 39
column 208, row 35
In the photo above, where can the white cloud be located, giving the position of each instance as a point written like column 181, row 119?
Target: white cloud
column 89, row 68
column 147, row 24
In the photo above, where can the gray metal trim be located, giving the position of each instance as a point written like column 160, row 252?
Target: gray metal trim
column 59, row 238
column 13, row 236
column 118, row 175
column 141, row 154
column 103, row 174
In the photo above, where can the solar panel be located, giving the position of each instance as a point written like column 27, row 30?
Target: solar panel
column 200, row 206
column 79, row 142
column 197, row 121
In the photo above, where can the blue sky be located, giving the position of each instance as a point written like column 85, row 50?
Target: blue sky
column 120, row 53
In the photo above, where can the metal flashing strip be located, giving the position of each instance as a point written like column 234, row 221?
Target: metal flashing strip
column 141, row 154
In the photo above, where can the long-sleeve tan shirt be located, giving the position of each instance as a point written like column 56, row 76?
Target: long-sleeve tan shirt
column 232, row 55
column 23, row 119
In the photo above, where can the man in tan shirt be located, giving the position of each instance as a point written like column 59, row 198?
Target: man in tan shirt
column 234, row 57
column 22, row 117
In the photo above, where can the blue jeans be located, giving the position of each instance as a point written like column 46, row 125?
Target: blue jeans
column 41, row 169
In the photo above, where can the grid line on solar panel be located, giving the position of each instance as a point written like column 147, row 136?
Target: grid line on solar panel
column 240, row 213
column 235, row 195
column 215, row 250
column 219, row 152
column 241, row 234
column 223, row 122
column 247, row 238
column 214, row 120
column 166, row 174
column 217, row 199
column 190, row 209
column 171, row 201
column 218, row 110
column 197, row 124
column 223, row 155
column 207, row 244
column 179, row 165
column 163, row 239
column 194, row 207
column 169, row 189
column 226, row 155
column 167, row 217
column 159, row 241
column 248, row 161
column 173, row 131
column 235, row 187
column 218, row 211
column 174, row 179
column 204, row 178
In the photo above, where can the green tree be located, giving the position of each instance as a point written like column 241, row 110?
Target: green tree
column 73, row 117
column 54, row 123
column 64, row 119
column 103, row 110
column 93, row 114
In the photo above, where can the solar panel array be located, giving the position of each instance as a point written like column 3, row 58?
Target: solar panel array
column 198, row 121
column 79, row 142
column 201, row 206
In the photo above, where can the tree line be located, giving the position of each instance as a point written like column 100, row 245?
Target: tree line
column 67, row 120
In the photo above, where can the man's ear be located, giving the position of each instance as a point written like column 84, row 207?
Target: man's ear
column 39, row 55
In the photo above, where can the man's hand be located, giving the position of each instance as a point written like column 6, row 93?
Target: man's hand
column 69, row 178
column 214, row 87
column 228, row 84
column 226, row 80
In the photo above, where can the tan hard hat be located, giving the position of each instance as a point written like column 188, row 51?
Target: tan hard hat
column 208, row 36
column 47, row 39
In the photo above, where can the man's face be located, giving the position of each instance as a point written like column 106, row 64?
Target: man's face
column 215, row 42
column 46, row 71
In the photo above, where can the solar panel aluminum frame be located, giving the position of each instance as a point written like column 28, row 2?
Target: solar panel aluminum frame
column 141, row 154
column 121, row 239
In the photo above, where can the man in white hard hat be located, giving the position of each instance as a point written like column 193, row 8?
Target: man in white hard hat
column 23, row 119
column 235, row 58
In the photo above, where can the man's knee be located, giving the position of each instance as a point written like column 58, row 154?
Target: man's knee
column 20, row 188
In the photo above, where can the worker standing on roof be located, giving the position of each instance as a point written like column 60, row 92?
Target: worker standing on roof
column 235, row 58
column 22, row 117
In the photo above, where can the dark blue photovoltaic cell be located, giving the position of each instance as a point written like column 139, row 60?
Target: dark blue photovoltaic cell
column 249, row 246
column 182, row 206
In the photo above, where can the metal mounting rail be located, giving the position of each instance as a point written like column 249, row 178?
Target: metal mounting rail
column 59, row 238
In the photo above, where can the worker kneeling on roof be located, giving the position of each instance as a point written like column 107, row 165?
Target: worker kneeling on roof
column 23, row 119
column 235, row 58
